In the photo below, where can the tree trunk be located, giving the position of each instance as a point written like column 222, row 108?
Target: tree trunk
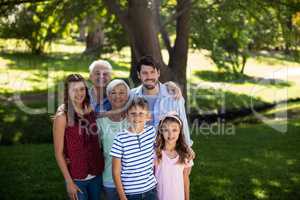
column 94, row 41
column 244, row 60
column 82, row 32
column 140, row 23
column 178, row 58
column 143, row 37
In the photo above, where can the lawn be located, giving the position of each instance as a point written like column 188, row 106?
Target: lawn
column 256, row 162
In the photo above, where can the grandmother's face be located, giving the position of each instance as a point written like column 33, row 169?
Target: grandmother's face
column 118, row 97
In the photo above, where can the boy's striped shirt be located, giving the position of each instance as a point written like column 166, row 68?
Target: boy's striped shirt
column 136, row 152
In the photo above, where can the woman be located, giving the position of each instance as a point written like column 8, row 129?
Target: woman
column 117, row 92
column 76, row 143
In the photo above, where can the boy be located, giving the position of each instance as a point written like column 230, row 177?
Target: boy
column 132, row 152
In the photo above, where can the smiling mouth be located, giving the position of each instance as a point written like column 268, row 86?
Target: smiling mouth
column 152, row 81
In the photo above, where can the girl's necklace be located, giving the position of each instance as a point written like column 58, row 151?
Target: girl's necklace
column 172, row 154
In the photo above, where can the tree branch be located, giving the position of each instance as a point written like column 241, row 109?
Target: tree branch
column 17, row 2
column 115, row 8
column 161, row 28
column 178, row 13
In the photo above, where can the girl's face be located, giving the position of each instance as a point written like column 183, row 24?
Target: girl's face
column 118, row 97
column 77, row 92
column 170, row 131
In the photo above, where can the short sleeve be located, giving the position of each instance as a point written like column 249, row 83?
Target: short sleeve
column 188, row 163
column 117, row 148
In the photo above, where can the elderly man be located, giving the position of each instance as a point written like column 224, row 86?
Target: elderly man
column 100, row 76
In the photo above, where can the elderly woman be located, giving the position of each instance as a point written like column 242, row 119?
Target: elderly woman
column 117, row 92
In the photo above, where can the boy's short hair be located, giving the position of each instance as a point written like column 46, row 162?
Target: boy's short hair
column 138, row 101
column 147, row 60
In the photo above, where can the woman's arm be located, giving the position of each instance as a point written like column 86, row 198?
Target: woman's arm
column 58, row 140
column 186, row 182
column 116, row 171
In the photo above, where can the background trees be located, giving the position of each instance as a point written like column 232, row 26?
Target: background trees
column 230, row 29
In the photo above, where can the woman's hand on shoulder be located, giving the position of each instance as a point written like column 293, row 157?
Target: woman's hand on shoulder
column 173, row 89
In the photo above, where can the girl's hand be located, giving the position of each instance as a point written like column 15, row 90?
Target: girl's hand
column 192, row 154
column 72, row 190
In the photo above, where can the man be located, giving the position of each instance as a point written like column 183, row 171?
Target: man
column 159, row 99
column 100, row 76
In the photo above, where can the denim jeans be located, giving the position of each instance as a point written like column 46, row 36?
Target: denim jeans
column 91, row 189
column 150, row 195
column 111, row 193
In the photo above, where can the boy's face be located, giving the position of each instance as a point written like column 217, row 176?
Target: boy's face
column 138, row 116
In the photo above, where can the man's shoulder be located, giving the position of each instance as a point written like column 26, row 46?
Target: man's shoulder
column 137, row 90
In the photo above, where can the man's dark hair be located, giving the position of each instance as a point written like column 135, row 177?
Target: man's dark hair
column 147, row 60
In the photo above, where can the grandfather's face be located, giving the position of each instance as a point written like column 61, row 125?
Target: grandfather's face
column 149, row 76
column 100, row 76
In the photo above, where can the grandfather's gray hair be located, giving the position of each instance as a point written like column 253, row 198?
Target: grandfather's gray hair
column 103, row 63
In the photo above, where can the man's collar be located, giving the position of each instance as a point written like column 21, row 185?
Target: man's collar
column 163, row 91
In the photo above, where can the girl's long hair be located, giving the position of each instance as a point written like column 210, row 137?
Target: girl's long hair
column 68, row 107
column 181, row 147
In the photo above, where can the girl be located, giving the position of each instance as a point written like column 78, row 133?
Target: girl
column 172, row 162
column 76, row 145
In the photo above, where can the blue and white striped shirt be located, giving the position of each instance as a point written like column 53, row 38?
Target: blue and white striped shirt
column 136, row 152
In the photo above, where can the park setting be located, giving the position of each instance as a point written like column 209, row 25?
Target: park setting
column 236, row 62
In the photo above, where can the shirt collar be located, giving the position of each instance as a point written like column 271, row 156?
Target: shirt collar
column 163, row 91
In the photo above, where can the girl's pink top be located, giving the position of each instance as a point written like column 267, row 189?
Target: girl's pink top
column 169, row 175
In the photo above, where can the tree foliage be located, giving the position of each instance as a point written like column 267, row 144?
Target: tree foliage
column 230, row 29
column 38, row 24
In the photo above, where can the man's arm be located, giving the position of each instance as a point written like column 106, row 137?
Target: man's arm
column 183, row 117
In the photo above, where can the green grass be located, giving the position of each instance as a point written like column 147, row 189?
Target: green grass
column 23, row 72
column 256, row 162
column 30, row 172
column 19, row 127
